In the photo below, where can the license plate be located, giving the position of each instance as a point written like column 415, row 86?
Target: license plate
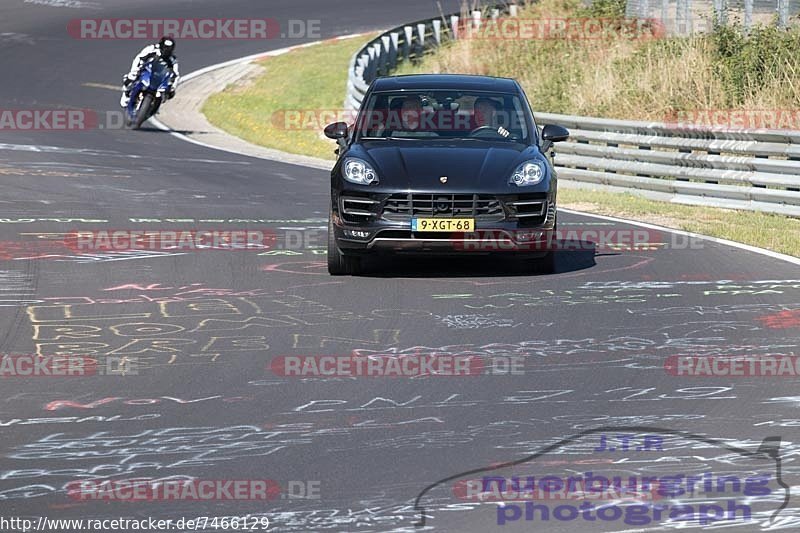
column 442, row 224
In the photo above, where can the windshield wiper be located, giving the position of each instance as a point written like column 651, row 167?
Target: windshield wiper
column 392, row 138
column 490, row 139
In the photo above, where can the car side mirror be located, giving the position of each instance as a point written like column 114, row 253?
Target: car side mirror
column 340, row 132
column 553, row 133
column 337, row 130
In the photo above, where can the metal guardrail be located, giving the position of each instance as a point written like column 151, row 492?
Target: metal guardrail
column 741, row 169
column 684, row 17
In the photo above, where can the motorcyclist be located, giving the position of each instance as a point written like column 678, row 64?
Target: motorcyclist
column 164, row 49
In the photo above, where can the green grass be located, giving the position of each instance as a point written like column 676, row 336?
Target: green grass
column 312, row 80
column 773, row 232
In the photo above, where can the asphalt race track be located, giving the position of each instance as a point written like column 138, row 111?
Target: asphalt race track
column 200, row 330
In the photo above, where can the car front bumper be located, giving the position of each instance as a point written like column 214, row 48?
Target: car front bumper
column 363, row 226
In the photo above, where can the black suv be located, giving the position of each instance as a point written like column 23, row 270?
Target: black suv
column 442, row 164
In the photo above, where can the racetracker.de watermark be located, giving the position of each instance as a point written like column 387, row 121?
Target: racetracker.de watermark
column 573, row 28
column 404, row 366
column 146, row 490
column 51, row 120
column 734, row 119
column 382, row 120
column 169, row 240
column 193, row 28
column 574, row 240
column 776, row 366
column 34, row 366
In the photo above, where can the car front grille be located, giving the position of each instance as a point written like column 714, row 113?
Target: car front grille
column 405, row 206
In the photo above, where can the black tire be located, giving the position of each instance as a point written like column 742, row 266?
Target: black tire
column 143, row 113
column 547, row 264
column 338, row 263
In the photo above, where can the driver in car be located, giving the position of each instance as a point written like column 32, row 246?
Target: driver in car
column 486, row 113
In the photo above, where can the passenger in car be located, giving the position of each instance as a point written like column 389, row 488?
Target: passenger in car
column 411, row 113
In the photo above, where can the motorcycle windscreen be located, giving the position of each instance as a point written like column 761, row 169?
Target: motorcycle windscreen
column 159, row 74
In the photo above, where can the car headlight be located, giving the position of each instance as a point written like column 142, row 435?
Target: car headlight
column 528, row 173
column 359, row 171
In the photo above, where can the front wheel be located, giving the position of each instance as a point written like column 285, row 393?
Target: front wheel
column 547, row 264
column 143, row 112
column 338, row 263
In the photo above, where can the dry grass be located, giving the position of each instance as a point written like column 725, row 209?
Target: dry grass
column 646, row 79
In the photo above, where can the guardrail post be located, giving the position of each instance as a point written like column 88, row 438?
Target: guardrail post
column 387, row 44
column 386, row 63
column 748, row 15
column 495, row 14
column 409, row 35
column 476, row 19
column 783, row 13
column 512, row 10
column 419, row 50
column 721, row 12
column 394, row 37
column 437, row 31
column 354, row 93
column 381, row 57
column 454, row 27
column 682, row 15
column 362, row 67
column 371, row 65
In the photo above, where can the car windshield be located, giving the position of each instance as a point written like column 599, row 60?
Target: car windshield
column 444, row 114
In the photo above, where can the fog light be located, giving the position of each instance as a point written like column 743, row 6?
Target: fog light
column 356, row 233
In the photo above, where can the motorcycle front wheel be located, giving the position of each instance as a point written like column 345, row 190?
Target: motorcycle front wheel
column 143, row 112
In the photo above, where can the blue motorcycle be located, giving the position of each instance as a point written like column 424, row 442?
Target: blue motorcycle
column 148, row 91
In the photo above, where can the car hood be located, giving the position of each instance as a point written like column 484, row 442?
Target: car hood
column 470, row 166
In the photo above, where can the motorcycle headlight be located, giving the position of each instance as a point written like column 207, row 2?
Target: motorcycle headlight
column 359, row 171
column 528, row 173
